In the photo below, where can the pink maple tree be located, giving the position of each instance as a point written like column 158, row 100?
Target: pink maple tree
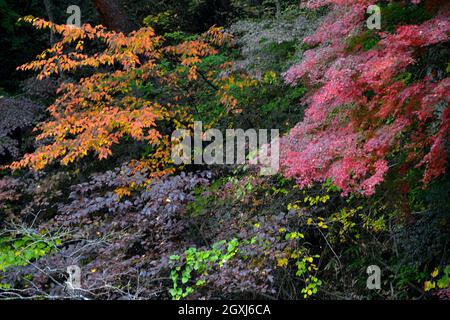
column 360, row 110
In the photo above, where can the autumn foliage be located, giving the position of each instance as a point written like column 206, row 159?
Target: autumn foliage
column 369, row 103
column 364, row 119
column 95, row 111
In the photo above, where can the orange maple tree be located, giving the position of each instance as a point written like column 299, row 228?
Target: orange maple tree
column 105, row 104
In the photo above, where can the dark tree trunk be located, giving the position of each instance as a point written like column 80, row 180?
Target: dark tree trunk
column 114, row 16
column 278, row 7
column 51, row 17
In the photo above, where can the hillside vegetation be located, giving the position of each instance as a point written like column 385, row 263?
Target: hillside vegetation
column 87, row 175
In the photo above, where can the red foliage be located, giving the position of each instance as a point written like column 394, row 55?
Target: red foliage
column 363, row 111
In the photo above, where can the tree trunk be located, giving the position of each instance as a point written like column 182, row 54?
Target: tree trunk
column 278, row 8
column 51, row 17
column 114, row 16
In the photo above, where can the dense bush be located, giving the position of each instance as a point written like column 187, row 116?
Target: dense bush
column 18, row 115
